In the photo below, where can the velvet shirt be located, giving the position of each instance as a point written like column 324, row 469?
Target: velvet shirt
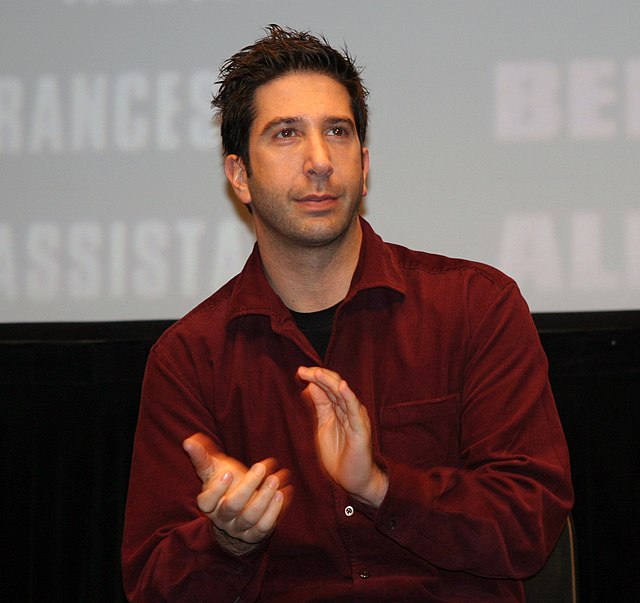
column 445, row 357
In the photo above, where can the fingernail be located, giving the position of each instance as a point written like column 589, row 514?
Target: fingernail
column 226, row 477
column 272, row 482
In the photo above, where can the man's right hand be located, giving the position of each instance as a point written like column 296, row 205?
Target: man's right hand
column 242, row 503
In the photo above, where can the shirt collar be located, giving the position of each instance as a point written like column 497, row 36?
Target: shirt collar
column 377, row 267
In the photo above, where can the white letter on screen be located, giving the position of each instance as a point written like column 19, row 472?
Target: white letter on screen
column 527, row 107
column 590, row 92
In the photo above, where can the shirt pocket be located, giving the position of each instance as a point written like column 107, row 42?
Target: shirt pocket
column 422, row 433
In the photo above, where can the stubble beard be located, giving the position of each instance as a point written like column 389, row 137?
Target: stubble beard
column 279, row 219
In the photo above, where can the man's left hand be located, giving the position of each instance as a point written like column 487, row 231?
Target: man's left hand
column 343, row 435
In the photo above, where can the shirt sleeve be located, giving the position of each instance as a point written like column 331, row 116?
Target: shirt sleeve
column 169, row 552
column 499, row 512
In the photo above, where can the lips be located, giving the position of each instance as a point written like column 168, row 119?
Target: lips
column 317, row 198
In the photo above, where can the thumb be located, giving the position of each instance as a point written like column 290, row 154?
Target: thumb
column 313, row 395
column 200, row 450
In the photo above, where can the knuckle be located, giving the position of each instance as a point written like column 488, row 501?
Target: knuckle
column 243, row 525
column 227, row 509
column 262, row 529
column 207, row 501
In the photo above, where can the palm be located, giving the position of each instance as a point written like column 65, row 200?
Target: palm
column 342, row 439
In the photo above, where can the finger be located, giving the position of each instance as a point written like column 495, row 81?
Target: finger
column 341, row 393
column 284, row 478
column 318, row 394
column 235, row 500
column 322, row 394
column 356, row 413
column 317, row 374
column 329, row 381
column 326, row 407
column 253, row 512
column 305, row 372
column 211, row 495
column 270, row 465
column 346, row 406
column 313, row 377
column 352, row 403
column 265, row 525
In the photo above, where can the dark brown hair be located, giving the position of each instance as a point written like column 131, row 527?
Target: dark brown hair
column 280, row 52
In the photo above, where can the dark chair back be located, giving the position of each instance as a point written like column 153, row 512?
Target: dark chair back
column 557, row 581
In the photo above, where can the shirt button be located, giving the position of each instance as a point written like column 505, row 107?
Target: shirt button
column 348, row 510
column 392, row 524
column 364, row 574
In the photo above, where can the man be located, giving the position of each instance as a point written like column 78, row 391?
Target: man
column 346, row 420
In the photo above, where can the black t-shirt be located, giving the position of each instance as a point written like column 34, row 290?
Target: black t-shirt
column 316, row 326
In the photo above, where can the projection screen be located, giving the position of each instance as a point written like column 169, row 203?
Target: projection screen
column 502, row 131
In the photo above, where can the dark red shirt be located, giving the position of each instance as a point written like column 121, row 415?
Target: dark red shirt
column 444, row 355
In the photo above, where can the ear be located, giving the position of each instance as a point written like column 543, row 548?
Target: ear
column 365, row 170
column 236, row 174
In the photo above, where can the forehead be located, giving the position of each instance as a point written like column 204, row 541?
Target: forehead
column 305, row 94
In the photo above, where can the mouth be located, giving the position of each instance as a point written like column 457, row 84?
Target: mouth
column 318, row 198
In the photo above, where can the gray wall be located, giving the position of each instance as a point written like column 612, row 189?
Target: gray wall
column 507, row 132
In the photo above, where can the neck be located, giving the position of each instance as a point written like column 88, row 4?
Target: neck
column 312, row 279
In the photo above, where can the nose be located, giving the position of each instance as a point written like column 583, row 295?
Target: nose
column 318, row 160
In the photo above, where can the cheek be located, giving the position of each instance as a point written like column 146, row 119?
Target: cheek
column 277, row 167
column 353, row 169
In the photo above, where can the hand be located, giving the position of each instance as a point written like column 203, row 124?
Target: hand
column 343, row 435
column 242, row 503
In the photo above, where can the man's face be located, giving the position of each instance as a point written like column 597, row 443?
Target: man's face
column 308, row 168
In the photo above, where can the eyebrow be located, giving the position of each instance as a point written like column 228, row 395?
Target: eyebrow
column 278, row 122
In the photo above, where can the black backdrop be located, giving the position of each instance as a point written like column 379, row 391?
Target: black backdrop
column 70, row 396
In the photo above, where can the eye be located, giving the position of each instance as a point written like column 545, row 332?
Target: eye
column 286, row 133
column 338, row 131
